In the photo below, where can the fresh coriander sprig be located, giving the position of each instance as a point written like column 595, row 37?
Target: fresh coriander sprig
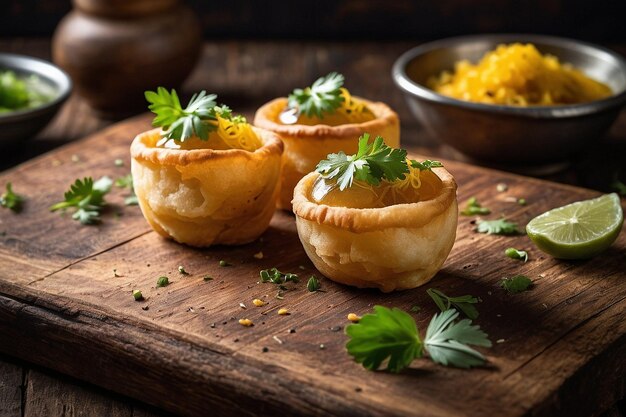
column 463, row 303
column 276, row 277
column 324, row 96
column 87, row 197
column 426, row 165
column 9, row 199
column 497, row 227
column 391, row 335
column 473, row 207
column 372, row 163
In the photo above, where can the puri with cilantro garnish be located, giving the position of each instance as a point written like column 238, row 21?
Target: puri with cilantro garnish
column 376, row 219
column 322, row 119
column 205, row 176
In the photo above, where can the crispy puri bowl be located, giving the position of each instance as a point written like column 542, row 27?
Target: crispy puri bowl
column 391, row 248
column 306, row 145
column 203, row 197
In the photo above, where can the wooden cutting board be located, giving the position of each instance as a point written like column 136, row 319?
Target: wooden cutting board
column 559, row 349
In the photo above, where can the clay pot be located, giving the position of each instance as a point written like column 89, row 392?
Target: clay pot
column 114, row 50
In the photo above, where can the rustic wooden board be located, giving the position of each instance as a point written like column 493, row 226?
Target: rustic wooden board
column 561, row 347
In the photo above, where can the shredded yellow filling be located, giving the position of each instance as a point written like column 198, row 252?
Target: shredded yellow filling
column 518, row 75
column 237, row 135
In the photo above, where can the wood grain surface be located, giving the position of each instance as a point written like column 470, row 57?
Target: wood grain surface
column 559, row 349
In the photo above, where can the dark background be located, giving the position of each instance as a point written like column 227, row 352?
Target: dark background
column 599, row 21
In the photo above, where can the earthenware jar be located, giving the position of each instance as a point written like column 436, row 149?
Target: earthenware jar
column 114, row 50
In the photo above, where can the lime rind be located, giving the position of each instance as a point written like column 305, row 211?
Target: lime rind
column 579, row 230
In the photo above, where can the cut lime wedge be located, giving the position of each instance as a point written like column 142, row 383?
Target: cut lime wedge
column 579, row 230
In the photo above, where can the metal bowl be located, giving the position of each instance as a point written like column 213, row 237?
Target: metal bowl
column 24, row 124
column 509, row 135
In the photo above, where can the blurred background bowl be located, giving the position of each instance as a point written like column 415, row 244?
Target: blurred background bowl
column 25, row 124
column 511, row 137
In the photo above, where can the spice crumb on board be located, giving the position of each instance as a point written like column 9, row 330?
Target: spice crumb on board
column 353, row 318
column 258, row 302
column 283, row 312
column 500, row 341
column 322, row 346
column 242, row 305
column 246, row 322
column 258, row 255
column 278, row 340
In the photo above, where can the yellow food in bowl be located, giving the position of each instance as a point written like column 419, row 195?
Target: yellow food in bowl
column 518, row 75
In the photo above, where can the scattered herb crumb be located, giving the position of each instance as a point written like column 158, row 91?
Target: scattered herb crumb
column 9, row 199
column 145, row 308
column 473, row 207
column 497, row 227
column 283, row 312
column 207, row 278
column 415, row 309
column 182, row 271
column 276, row 277
column 115, row 274
column 521, row 201
column 516, row 284
column 302, row 267
column 246, row 322
column 223, row 263
column 279, row 295
column 137, row 295
column 516, row 254
column 313, row 284
column 353, row 318
column 500, row 341
column 163, row 282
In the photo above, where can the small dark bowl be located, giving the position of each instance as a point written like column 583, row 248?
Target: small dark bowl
column 24, row 124
column 510, row 136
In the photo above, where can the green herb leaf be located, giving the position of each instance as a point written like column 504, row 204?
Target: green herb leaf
column 517, row 284
column 473, row 207
column 11, row 200
column 385, row 335
column 163, row 282
column 323, row 97
column 497, row 227
column 372, row 163
column 447, row 342
column 463, row 303
column 426, row 165
column 207, row 278
column 137, row 295
column 87, row 197
column 223, row 263
column 313, row 284
column 516, row 254
column 180, row 124
column 276, row 277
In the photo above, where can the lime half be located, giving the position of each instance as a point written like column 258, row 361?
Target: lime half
column 579, row 230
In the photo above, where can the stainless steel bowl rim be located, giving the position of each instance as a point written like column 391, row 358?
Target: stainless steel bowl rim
column 405, row 83
column 65, row 86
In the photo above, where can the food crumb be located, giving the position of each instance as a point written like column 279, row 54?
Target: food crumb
column 242, row 305
column 502, row 187
column 322, row 346
column 259, row 303
column 283, row 312
column 353, row 318
column 278, row 340
column 246, row 322
column 500, row 341
column 258, row 255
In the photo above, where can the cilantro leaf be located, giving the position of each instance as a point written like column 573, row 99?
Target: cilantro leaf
column 447, row 342
column 516, row 284
column 463, row 303
column 497, row 227
column 11, row 200
column 372, row 163
column 87, row 197
column 473, row 207
column 178, row 123
column 516, row 254
column 324, row 96
column 426, row 165
column 313, row 285
column 276, row 277
column 388, row 334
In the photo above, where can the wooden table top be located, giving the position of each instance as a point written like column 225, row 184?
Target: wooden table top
column 249, row 77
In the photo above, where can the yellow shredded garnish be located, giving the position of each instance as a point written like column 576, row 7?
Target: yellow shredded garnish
column 258, row 302
column 354, row 110
column 518, row 75
column 237, row 135
column 353, row 318
column 246, row 322
column 283, row 312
